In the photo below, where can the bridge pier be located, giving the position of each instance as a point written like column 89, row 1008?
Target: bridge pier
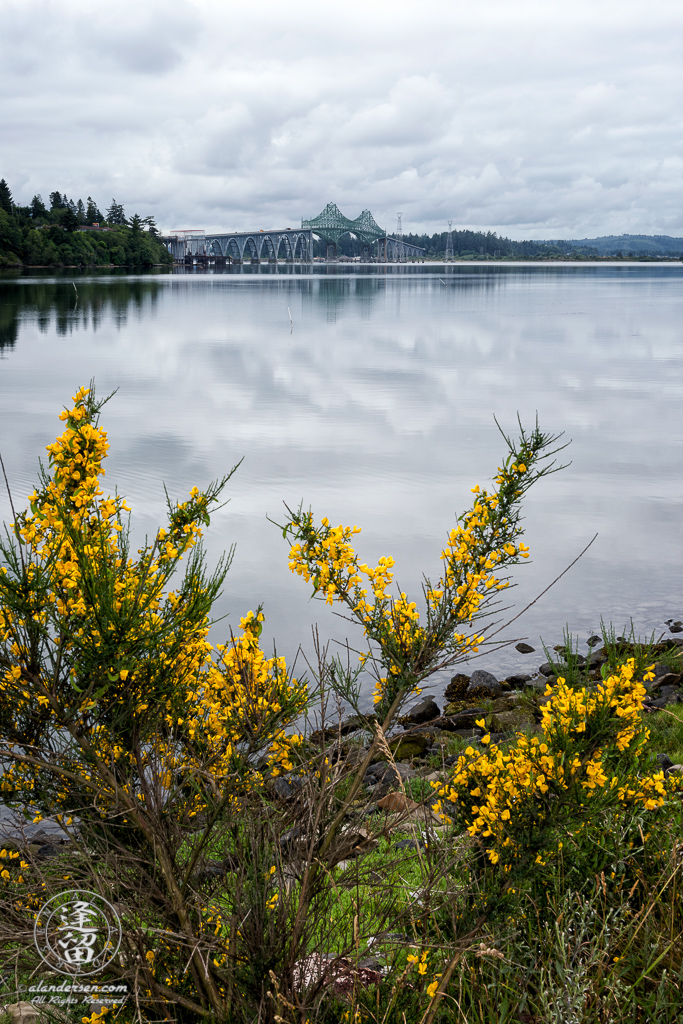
column 331, row 252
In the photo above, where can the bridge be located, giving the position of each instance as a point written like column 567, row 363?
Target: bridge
column 236, row 246
column 292, row 243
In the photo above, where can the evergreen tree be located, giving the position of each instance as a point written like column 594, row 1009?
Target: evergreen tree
column 92, row 213
column 37, row 207
column 151, row 226
column 57, row 202
column 80, row 211
column 115, row 213
column 70, row 220
column 5, row 197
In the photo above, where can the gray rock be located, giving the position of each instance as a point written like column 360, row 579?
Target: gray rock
column 596, row 659
column 664, row 761
column 661, row 669
column 486, row 679
column 668, row 679
column 676, row 627
column 546, row 669
column 593, row 640
column 426, row 710
column 524, row 648
column 287, row 788
column 518, row 681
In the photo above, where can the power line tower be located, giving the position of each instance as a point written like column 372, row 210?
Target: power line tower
column 400, row 253
column 449, row 257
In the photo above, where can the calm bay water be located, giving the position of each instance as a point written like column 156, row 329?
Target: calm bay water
column 377, row 408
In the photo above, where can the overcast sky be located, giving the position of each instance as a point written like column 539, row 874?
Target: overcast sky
column 535, row 119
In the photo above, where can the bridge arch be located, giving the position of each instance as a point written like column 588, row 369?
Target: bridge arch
column 249, row 248
column 267, row 250
column 285, row 243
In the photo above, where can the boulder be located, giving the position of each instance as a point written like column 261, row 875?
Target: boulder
column 425, row 711
column 457, row 688
column 396, row 803
column 405, row 748
column 485, row 680
column 22, row 1013
column 524, row 648
column 509, row 721
column 518, row 681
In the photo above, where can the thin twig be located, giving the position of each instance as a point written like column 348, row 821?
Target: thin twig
column 14, row 514
column 539, row 596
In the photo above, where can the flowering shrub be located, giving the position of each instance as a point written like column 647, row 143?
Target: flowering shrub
column 116, row 712
column 404, row 648
column 551, row 792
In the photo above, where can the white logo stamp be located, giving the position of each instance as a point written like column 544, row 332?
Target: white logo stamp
column 77, row 932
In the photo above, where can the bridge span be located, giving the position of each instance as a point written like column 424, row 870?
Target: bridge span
column 293, row 243
column 236, row 246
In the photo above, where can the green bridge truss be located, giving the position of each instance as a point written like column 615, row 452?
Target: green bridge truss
column 331, row 224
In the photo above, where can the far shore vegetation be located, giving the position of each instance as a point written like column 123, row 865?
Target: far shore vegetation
column 67, row 233
column 62, row 233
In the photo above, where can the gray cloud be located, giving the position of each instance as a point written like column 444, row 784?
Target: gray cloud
column 531, row 118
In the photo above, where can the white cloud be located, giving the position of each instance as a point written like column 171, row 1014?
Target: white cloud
column 533, row 118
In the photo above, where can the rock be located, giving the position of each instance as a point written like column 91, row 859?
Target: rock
column 425, row 711
column 22, row 1013
column 337, row 973
column 524, row 648
column 211, row 871
column 356, row 755
column 396, row 803
column 406, row 844
column 292, row 836
column 457, row 688
column 661, row 669
column 546, row 669
column 518, row 681
column 596, row 659
column 485, row 680
column 664, row 762
column 677, row 627
column 463, row 719
column 509, row 721
column 287, row 787
column 354, row 723
column 593, row 640
column 538, row 683
column 669, row 695
column 404, row 748
column 668, row 679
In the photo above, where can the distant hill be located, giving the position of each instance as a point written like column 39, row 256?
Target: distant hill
column 610, row 245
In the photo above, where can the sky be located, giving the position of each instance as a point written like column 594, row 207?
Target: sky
column 534, row 119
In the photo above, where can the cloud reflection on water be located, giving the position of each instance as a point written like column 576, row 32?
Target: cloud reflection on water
column 377, row 408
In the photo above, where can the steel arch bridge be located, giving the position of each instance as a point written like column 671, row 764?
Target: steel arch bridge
column 331, row 224
column 291, row 243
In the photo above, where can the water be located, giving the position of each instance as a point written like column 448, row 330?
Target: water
column 377, row 408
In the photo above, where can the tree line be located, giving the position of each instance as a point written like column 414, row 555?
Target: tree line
column 64, row 233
